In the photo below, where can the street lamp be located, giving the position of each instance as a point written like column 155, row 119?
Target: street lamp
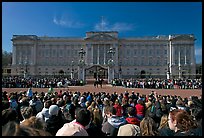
column 111, row 51
column 26, row 67
column 82, row 53
column 120, row 70
column 72, row 71
column 81, row 64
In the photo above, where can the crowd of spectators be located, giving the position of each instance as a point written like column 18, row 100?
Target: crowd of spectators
column 43, row 82
column 68, row 113
column 39, row 82
column 159, row 83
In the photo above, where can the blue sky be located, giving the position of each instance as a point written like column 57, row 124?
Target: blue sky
column 73, row 19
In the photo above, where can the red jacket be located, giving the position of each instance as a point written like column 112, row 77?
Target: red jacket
column 119, row 109
column 133, row 120
column 139, row 109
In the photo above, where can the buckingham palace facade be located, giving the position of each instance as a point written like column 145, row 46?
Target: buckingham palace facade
column 105, row 55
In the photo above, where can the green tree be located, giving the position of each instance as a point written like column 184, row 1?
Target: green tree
column 6, row 58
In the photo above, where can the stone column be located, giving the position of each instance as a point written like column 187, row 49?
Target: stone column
column 170, row 56
column 116, row 54
column 185, row 55
column 87, row 56
column 14, row 55
column 110, row 74
column 104, row 58
column 34, row 57
column 91, row 54
column 98, row 55
column 179, row 64
column 172, row 52
column 34, row 53
column 81, row 73
column 192, row 55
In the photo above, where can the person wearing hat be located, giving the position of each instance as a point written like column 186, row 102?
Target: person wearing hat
column 55, row 121
column 44, row 113
column 129, row 130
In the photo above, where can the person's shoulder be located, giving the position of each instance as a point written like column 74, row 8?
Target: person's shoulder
column 192, row 132
column 195, row 132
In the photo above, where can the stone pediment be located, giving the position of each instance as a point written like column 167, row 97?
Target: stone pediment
column 101, row 37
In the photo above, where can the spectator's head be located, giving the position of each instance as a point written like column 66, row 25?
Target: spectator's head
column 47, row 104
column 8, row 115
column 180, row 120
column 82, row 100
column 117, row 102
column 53, row 110
column 148, row 127
column 97, row 116
column 164, row 121
column 83, row 116
column 14, row 129
column 87, row 103
column 110, row 110
column 131, row 111
column 190, row 103
column 25, row 101
column 140, row 101
column 26, row 112
column 106, row 102
column 34, row 122
column 179, row 102
column 5, row 104
column 129, row 130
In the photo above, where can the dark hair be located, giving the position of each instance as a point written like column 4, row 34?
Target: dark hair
column 25, row 101
column 26, row 112
column 131, row 111
column 8, row 115
column 111, row 109
column 5, row 104
column 48, row 103
column 83, row 116
column 14, row 129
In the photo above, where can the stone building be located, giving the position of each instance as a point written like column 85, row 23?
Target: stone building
column 104, row 55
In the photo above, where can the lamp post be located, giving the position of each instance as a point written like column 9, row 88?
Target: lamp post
column 111, row 51
column 72, row 71
column 81, row 64
column 26, row 67
column 120, row 71
column 179, row 65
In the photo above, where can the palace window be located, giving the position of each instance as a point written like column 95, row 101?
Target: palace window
column 165, row 52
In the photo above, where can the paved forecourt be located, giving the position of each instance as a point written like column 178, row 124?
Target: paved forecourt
column 109, row 89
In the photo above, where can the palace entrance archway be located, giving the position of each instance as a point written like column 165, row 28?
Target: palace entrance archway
column 96, row 72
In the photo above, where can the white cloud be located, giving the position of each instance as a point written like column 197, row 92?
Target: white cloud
column 102, row 26
column 119, row 26
column 123, row 27
column 67, row 23
column 198, row 51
